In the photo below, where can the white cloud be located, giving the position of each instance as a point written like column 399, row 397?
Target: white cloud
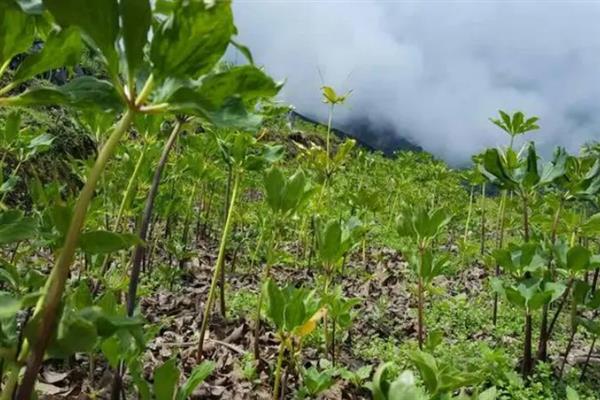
column 437, row 70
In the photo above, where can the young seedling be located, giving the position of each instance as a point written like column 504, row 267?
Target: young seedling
column 285, row 197
column 515, row 125
column 331, row 98
column 421, row 227
column 295, row 314
column 529, row 292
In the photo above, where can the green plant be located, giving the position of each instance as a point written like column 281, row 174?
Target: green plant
column 285, row 197
column 295, row 314
column 314, row 382
column 515, row 125
column 526, row 264
column 440, row 382
column 166, row 381
column 332, row 98
column 422, row 226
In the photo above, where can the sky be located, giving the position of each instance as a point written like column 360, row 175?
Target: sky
column 435, row 71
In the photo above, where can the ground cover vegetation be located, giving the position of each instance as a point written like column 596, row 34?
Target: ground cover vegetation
column 166, row 234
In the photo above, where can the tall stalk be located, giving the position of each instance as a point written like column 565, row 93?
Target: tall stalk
column 219, row 264
column 527, row 366
column 482, row 246
column 421, row 299
column 500, row 244
column 48, row 305
column 127, row 194
column 277, row 383
column 222, row 306
column 259, row 303
column 469, row 213
column 188, row 220
column 542, row 353
column 329, row 123
column 138, row 253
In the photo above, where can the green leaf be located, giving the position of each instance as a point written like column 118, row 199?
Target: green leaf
column 82, row 297
column 531, row 177
column 294, row 312
column 82, row 93
column 578, row 258
column 489, row 394
column 9, row 305
column 428, row 369
column 112, row 351
column 17, row 31
column 243, row 49
column 89, row 92
column 405, row 388
column 14, row 227
column 98, row 19
column 198, row 375
column 104, row 242
column 380, row 386
column 294, row 191
column 75, row 335
column 136, row 17
column 38, row 97
column 225, row 98
column 246, row 82
column 507, row 121
column 494, row 168
column 276, row 303
column 515, row 297
column 192, row 39
column 166, row 378
column 572, row 394
column 32, row 6
column 274, row 182
column 11, row 129
column 61, row 48
column 330, row 241
column 556, row 168
column 592, row 225
column 135, row 370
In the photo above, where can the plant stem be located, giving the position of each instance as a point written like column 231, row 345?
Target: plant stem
column 278, row 369
column 500, row 244
column 527, row 366
column 12, row 175
column 567, row 352
column 587, row 360
column 222, row 306
column 11, row 383
column 482, row 249
column 563, row 300
column 469, row 212
column 420, row 298
column 124, row 201
column 259, row 303
column 48, row 305
column 219, row 265
column 525, row 218
column 146, row 91
column 329, row 123
column 138, row 253
column 4, row 67
column 542, row 353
